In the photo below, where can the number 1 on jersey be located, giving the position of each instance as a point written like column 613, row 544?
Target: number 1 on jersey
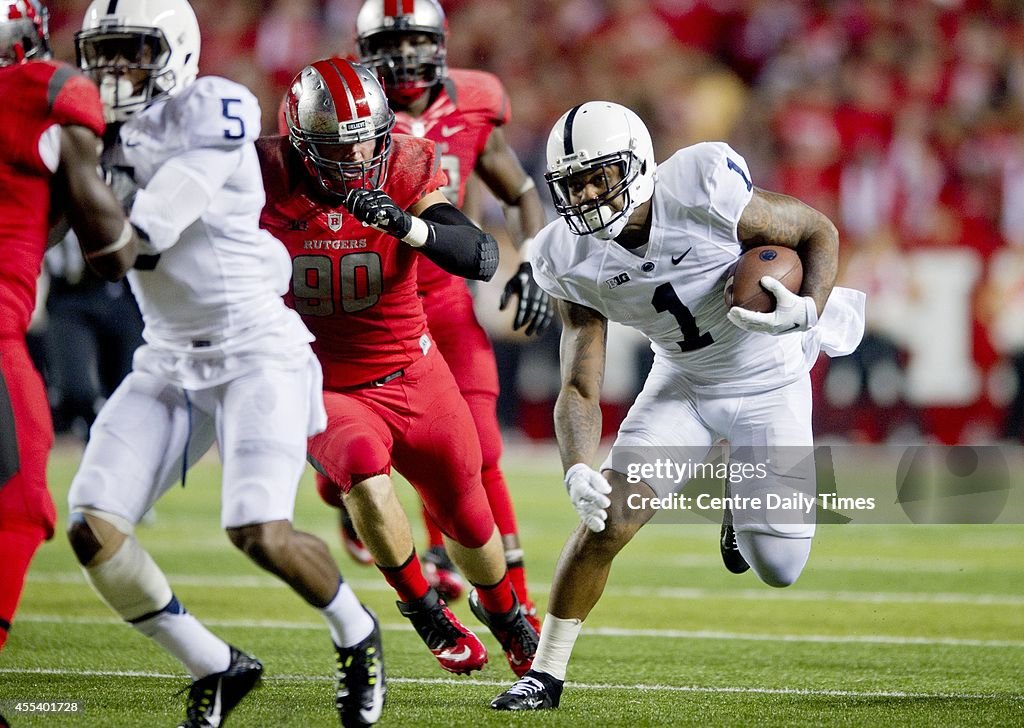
column 666, row 299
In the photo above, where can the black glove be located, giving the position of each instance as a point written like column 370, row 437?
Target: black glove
column 535, row 309
column 376, row 209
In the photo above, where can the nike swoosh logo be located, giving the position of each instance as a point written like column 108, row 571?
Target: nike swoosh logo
column 794, row 327
column 131, row 145
column 461, row 656
column 677, row 259
column 447, row 131
column 372, row 714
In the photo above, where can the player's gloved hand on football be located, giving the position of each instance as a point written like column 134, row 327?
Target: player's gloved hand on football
column 589, row 490
column 535, row 309
column 792, row 312
column 376, row 209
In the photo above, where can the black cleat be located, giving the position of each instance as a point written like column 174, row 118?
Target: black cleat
column 533, row 691
column 513, row 630
column 361, row 683
column 731, row 556
column 211, row 698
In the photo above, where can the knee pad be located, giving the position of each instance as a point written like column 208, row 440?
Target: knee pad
column 129, row 581
column 776, row 560
column 330, row 492
column 96, row 541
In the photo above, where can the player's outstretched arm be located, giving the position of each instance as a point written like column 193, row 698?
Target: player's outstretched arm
column 500, row 170
column 771, row 218
column 433, row 225
column 578, row 407
column 109, row 242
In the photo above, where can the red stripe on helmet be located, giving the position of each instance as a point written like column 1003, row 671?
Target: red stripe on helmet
column 344, row 88
column 391, row 8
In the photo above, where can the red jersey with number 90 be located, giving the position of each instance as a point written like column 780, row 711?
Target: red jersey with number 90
column 354, row 287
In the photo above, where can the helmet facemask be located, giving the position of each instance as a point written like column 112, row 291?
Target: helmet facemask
column 408, row 62
column 336, row 175
column 129, row 64
column 613, row 176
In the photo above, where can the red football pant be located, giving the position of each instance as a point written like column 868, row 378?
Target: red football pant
column 419, row 423
column 27, row 514
column 464, row 344
column 17, row 547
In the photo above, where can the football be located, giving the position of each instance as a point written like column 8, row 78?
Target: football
column 743, row 281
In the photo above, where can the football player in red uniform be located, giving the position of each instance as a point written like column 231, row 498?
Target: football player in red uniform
column 463, row 111
column 358, row 209
column 51, row 123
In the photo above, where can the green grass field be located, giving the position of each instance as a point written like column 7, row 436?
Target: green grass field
column 895, row 626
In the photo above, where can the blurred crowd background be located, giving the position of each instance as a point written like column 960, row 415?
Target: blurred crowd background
column 903, row 121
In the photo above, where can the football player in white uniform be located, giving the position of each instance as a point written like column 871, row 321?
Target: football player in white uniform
column 649, row 246
column 224, row 360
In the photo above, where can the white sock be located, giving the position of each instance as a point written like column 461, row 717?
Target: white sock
column 200, row 651
column 557, row 638
column 347, row 618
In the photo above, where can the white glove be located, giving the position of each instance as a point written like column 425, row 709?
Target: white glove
column 792, row 312
column 588, row 491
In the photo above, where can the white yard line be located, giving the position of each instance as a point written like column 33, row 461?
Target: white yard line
column 678, row 634
column 572, row 685
column 795, row 594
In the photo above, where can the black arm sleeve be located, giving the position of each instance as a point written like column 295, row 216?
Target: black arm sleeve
column 457, row 245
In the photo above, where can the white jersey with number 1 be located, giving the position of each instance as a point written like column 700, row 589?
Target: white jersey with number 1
column 674, row 292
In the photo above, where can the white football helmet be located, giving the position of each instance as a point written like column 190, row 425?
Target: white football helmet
column 331, row 105
column 588, row 138
column 380, row 26
column 160, row 37
column 24, row 31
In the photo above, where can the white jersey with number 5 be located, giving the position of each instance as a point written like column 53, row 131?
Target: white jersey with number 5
column 674, row 292
column 216, row 287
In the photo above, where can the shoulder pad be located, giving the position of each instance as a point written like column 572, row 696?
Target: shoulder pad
column 74, row 99
column 480, row 92
column 215, row 112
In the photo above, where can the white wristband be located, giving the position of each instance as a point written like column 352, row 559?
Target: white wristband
column 419, row 233
column 123, row 239
column 812, row 311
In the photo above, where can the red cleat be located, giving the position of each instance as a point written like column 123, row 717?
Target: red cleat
column 530, row 612
column 354, row 546
column 455, row 647
column 517, row 636
column 441, row 574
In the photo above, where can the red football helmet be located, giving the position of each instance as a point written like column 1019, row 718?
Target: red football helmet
column 404, row 41
column 24, row 31
column 332, row 106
